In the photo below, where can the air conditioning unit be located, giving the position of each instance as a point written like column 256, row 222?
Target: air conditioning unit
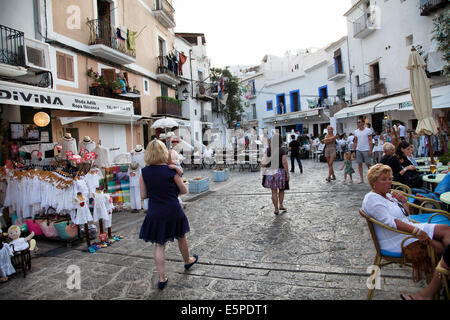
column 37, row 55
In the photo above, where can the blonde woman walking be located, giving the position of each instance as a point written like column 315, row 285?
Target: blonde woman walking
column 165, row 219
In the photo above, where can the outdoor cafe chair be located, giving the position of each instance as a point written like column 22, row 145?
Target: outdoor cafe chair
column 229, row 159
column 198, row 163
column 383, row 258
column 208, row 162
column 187, row 161
column 241, row 161
column 319, row 152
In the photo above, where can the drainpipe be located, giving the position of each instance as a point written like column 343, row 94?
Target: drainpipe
column 350, row 73
column 192, row 97
column 192, row 80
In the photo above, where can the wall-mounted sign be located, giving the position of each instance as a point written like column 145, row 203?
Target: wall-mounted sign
column 405, row 105
column 18, row 94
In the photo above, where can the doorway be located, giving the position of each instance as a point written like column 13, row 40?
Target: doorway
column 281, row 104
column 377, row 122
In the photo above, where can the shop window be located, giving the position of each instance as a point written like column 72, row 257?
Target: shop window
column 65, row 66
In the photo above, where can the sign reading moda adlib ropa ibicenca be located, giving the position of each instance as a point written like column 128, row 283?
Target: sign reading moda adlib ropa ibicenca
column 23, row 95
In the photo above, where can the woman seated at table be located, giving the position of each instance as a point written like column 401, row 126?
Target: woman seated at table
column 412, row 176
column 391, row 209
column 400, row 172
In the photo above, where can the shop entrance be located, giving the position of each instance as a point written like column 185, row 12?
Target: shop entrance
column 377, row 122
column 114, row 137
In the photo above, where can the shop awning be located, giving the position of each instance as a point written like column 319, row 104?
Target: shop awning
column 30, row 96
column 365, row 108
column 440, row 99
column 441, row 102
column 293, row 115
column 394, row 103
column 102, row 118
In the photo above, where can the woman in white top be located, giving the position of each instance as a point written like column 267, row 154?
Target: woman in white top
column 391, row 210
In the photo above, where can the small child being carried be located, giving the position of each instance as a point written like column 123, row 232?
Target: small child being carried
column 348, row 157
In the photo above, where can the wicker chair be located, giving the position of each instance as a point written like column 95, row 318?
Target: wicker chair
column 379, row 257
column 424, row 201
column 21, row 260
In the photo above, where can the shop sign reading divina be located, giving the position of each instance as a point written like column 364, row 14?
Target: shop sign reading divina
column 17, row 94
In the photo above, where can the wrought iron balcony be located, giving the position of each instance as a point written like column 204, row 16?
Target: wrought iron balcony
column 427, row 7
column 12, row 46
column 167, row 71
column 164, row 13
column 371, row 88
column 104, row 42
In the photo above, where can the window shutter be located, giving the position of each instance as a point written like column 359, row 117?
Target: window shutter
column 60, row 65
column 69, row 68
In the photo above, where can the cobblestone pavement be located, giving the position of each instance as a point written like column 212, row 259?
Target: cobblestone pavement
column 319, row 249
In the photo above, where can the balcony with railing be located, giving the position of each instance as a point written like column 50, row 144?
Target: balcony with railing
column 168, row 106
column 336, row 71
column 164, row 13
column 428, row 7
column 167, row 71
column 104, row 42
column 371, row 88
column 363, row 26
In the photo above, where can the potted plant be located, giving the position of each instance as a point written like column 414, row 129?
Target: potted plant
column 116, row 87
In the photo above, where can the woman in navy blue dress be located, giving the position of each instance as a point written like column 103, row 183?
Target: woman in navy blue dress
column 165, row 219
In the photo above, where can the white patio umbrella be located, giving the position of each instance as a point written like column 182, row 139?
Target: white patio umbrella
column 164, row 123
column 421, row 97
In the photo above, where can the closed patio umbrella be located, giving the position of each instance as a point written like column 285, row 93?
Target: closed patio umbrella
column 421, row 97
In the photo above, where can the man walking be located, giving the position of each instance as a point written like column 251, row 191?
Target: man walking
column 363, row 145
column 294, row 147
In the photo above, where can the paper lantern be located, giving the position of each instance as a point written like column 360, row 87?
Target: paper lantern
column 41, row 119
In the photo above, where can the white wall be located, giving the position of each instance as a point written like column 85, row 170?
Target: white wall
column 387, row 44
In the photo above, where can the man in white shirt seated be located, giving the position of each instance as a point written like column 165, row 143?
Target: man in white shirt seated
column 208, row 155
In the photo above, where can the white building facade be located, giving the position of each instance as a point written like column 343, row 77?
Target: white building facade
column 380, row 37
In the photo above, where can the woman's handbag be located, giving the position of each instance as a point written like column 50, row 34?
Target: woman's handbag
column 417, row 254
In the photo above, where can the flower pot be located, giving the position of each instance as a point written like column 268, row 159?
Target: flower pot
column 220, row 175
column 198, row 185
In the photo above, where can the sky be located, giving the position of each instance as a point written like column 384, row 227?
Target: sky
column 241, row 32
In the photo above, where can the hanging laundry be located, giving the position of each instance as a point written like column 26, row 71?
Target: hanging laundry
column 183, row 60
column 119, row 34
column 131, row 40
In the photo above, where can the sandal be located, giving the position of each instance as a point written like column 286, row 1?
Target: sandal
column 283, row 209
column 334, row 177
column 328, row 179
column 188, row 265
column 162, row 284
column 404, row 296
column 276, row 213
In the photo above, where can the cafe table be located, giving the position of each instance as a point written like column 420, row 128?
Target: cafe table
column 434, row 180
column 445, row 197
column 426, row 169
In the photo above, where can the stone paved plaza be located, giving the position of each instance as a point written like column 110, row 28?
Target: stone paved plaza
column 319, row 249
